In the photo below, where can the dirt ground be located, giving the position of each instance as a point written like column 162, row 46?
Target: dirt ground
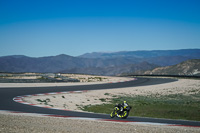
column 84, row 79
column 23, row 123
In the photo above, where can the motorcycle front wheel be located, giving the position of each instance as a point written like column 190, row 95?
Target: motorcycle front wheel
column 112, row 115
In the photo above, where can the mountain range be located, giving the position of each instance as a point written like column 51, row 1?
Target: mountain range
column 185, row 68
column 98, row 63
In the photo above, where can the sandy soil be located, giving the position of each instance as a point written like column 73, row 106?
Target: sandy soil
column 93, row 78
column 23, row 123
column 84, row 79
column 27, row 77
column 73, row 101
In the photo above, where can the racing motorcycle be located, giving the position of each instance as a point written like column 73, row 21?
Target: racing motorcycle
column 121, row 112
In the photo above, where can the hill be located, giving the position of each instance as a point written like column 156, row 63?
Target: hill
column 189, row 68
column 113, row 70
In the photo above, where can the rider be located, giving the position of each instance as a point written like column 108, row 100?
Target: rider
column 121, row 106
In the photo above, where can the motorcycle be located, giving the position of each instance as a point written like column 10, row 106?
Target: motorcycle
column 121, row 113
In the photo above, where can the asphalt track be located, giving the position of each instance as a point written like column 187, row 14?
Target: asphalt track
column 7, row 103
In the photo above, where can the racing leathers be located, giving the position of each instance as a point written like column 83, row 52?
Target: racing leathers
column 121, row 107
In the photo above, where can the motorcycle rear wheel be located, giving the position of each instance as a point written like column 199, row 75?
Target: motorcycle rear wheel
column 125, row 114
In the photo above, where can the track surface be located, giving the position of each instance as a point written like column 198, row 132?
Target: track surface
column 7, row 103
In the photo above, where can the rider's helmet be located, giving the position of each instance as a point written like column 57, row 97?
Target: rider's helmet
column 125, row 103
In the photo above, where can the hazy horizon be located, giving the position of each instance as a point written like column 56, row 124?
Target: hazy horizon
column 98, row 52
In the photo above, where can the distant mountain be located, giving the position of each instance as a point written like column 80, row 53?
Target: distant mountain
column 55, row 63
column 144, row 54
column 159, row 57
column 113, row 70
column 98, row 63
column 190, row 67
column 42, row 64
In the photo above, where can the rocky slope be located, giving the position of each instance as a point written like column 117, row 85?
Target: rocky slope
column 190, row 67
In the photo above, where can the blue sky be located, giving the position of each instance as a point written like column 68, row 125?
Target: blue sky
column 50, row 27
